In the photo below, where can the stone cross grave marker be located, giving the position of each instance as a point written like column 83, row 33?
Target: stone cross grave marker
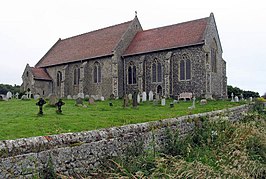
column 150, row 96
column 40, row 103
column 17, row 95
column 144, row 96
column 232, row 95
column 59, row 105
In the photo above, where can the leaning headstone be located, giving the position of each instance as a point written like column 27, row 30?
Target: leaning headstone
column 135, row 100
column 150, row 96
column 155, row 102
column 138, row 98
column 126, row 100
column 144, row 96
column 130, row 97
column 81, row 95
column 24, row 97
column 8, row 95
column 91, row 100
column 52, row 100
column 163, row 102
column 69, row 97
column 79, row 102
column 236, row 99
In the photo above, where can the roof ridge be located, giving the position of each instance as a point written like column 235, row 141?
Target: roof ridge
column 181, row 23
column 93, row 31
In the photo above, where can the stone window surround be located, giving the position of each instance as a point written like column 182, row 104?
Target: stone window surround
column 58, row 78
column 132, row 75
column 185, row 58
column 157, row 63
column 97, row 73
column 76, row 75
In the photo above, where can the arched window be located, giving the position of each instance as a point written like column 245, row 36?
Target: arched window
column 58, row 78
column 76, row 75
column 132, row 74
column 156, row 71
column 97, row 74
column 185, row 68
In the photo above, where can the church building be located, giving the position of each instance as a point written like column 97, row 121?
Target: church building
column 124, row 58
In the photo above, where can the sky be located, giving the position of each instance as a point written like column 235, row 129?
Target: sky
column 29, row 28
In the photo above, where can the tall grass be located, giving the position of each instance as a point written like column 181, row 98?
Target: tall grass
column 216, row 149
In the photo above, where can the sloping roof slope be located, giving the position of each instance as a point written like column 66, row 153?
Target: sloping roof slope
column 40, row 74
column 173, row 36
column 85, row 46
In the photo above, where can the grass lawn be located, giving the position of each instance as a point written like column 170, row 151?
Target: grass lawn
column 19, row 119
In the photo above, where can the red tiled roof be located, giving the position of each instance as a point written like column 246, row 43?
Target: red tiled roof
column 40, row 74
column 178, row 35
column 85, row 46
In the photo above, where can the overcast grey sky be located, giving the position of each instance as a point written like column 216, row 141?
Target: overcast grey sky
column 29, row 28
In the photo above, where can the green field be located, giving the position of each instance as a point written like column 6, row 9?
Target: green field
column 19, row 119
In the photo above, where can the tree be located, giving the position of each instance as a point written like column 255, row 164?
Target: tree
column 237, row 92
column 4, row 88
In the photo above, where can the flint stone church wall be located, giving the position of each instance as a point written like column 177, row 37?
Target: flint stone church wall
column 73, row 153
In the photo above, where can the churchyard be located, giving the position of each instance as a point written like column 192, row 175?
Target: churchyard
column 20, row 118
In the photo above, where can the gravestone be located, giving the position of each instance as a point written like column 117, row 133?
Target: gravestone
column 52, row 100
column 175, row 101
column 40, row 103
column 81, row 95
column 144, row 96
column 75, row 97
column 203, row 102
column 138, row 98
column 36, row 96
column 236, row 99
column 79, row 102
column 163, row 102
column 91, row 100
column 193, row 103
column 241, row 97
column 59, row 105
column 69, row 97
column 87, row 97
column 102, row 98
column 126, row 100
column 1, row 98
column 17, row 95
column 24, row 97
column 135, row 100
column 112, row 97
column 232, row 95
column 157, row 97
column 250, row 99
column 155, row 102
column 8, row 95
column 28, row 93
column 130, row 96
column 150, row 96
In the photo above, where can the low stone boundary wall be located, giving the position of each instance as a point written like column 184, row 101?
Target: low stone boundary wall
column 72, row 153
